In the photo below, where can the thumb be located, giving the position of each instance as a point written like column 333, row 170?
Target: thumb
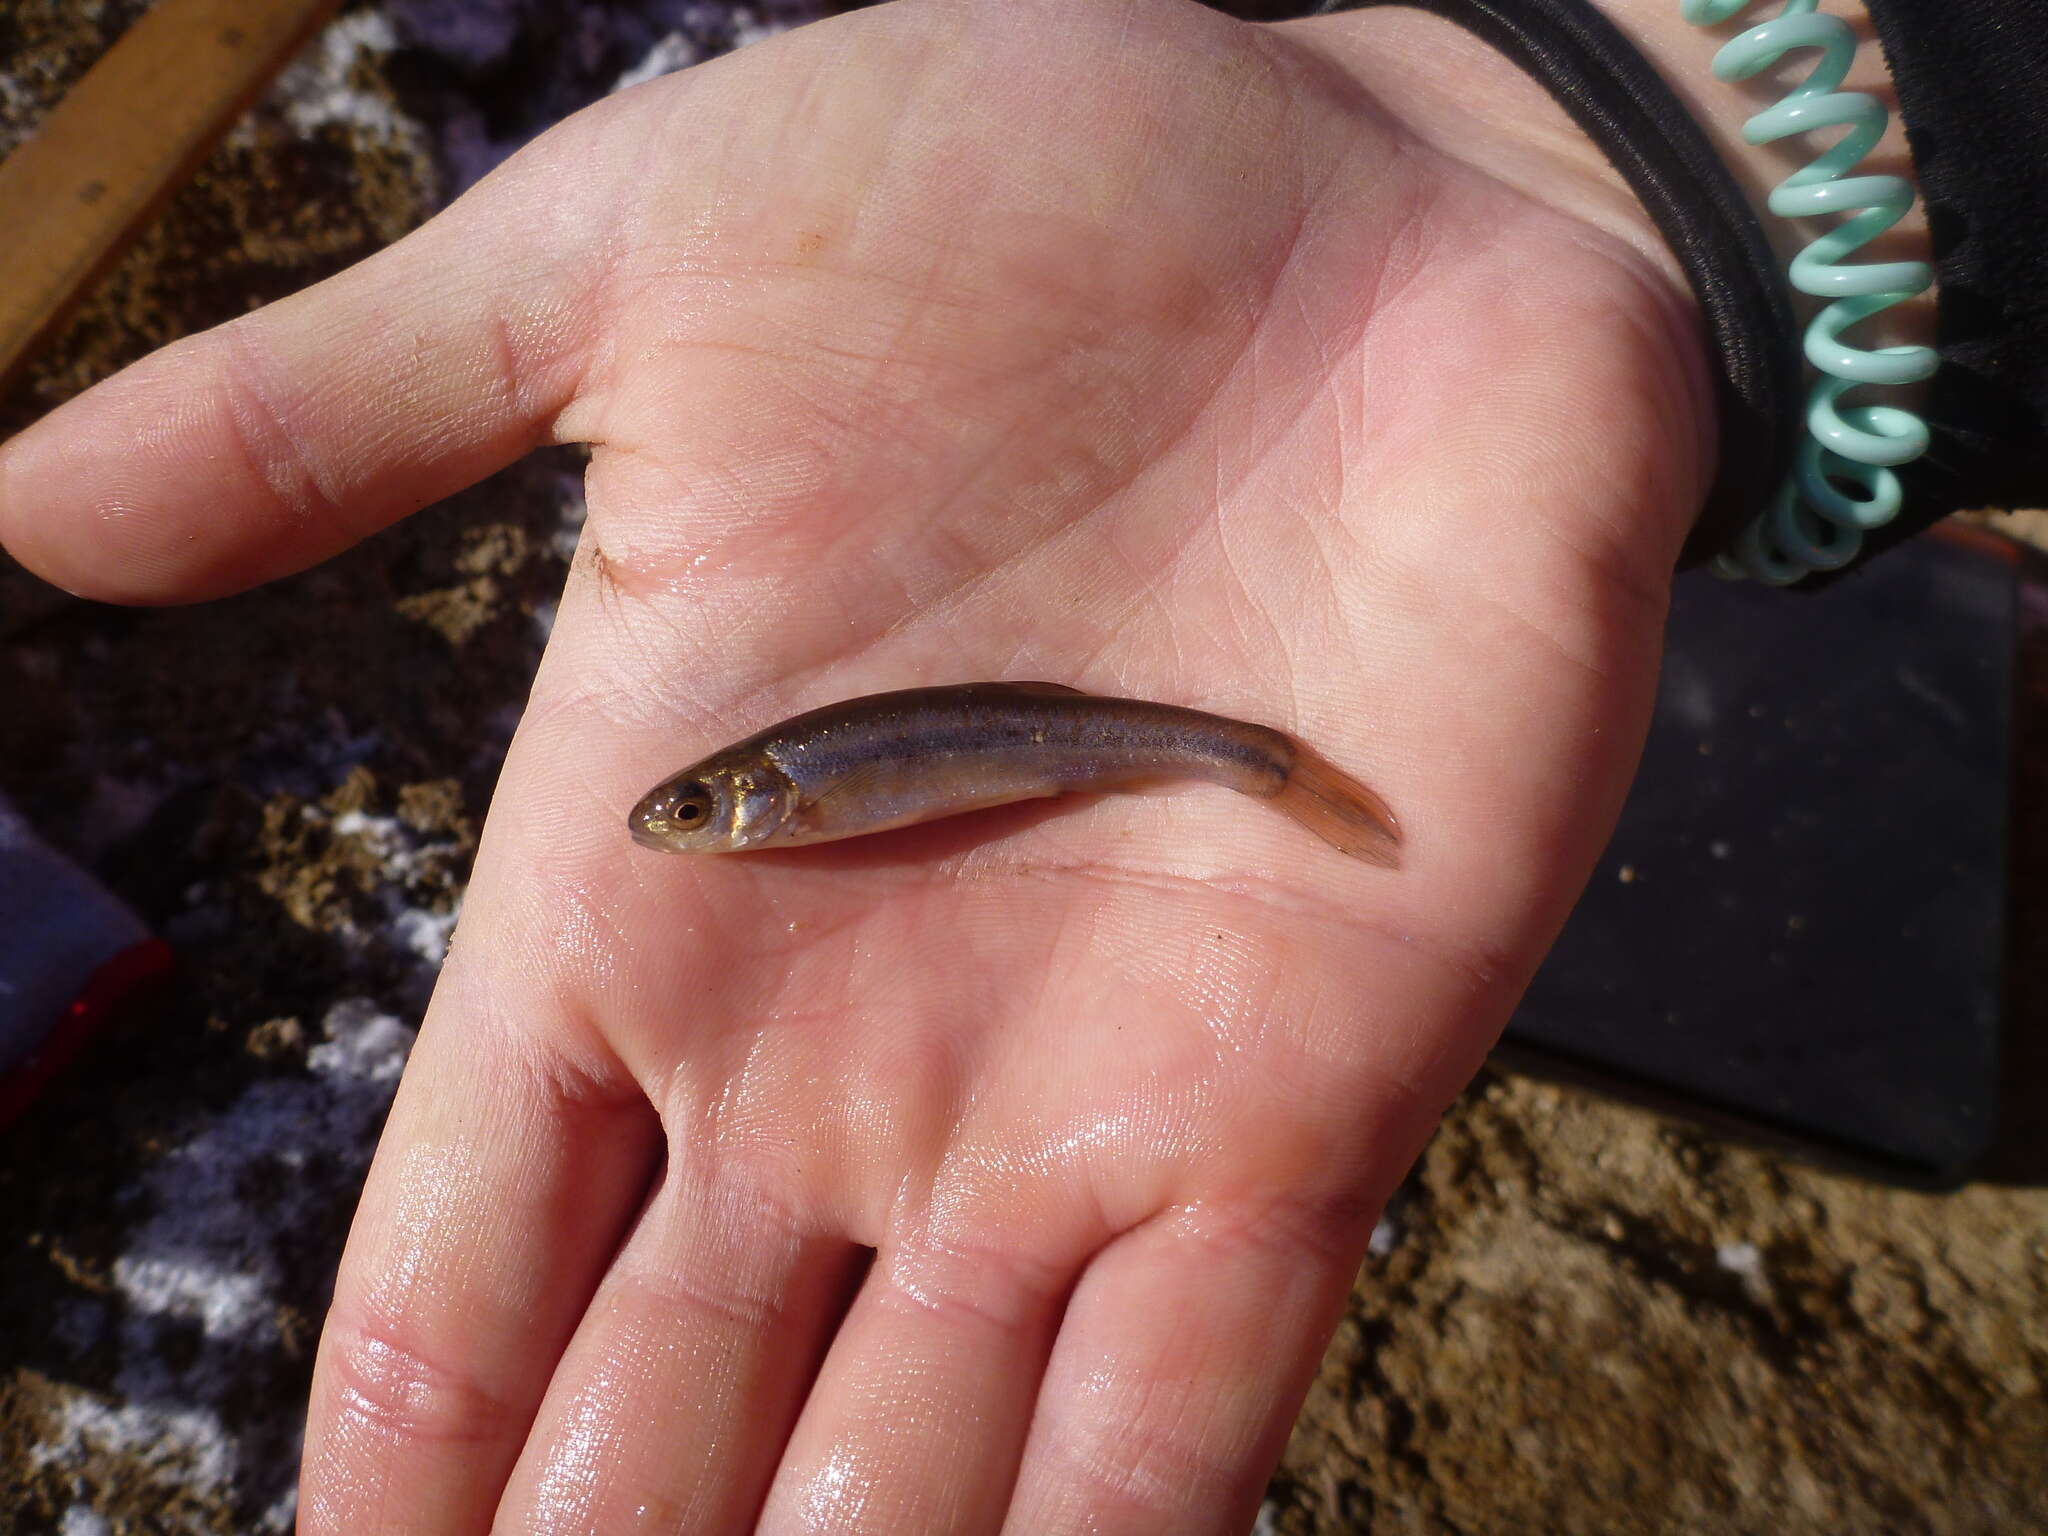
column 268, row 444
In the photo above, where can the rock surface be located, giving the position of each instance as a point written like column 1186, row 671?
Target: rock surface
column 1577, row 1317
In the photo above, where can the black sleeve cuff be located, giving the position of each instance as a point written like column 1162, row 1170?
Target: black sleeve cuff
column 1972, row 83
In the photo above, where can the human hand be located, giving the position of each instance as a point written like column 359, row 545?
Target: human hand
column 1123, row 346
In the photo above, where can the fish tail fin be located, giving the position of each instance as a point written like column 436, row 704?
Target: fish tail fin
column 1340, row 810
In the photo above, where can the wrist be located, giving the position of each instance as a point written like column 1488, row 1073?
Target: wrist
column 1445, row 84
column 1685, row 147
column 1684, row 55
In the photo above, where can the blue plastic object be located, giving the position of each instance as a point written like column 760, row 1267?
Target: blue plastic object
column 1814, row 524
column 70, row 954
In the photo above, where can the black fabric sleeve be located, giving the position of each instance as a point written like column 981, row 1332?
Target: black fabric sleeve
column 1972, row 82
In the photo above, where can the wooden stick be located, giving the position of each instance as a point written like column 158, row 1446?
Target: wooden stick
column 126, row 137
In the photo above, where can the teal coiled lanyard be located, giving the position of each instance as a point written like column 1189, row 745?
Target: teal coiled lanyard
column 1813, row 524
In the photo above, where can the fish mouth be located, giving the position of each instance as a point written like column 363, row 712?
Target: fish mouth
column 654, row 825
column 652, row 832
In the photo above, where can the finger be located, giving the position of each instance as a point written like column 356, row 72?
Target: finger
column 500, row 1187
column 917, row 1421
column 269, row 443
column 1183, row 1359
column 671, row 1404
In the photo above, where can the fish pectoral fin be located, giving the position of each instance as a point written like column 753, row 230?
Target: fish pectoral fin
column 849, row 783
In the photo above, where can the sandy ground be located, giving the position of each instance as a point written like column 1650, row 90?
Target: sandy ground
column 1577, row 1316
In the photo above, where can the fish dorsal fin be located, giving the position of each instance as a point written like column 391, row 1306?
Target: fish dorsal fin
column 1060, row 690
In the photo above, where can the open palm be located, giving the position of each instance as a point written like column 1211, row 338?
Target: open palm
column 1005, row 1173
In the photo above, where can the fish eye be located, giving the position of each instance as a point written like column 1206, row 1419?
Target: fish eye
column 693, row 804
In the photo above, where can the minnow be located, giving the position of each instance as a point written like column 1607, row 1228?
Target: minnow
column 894, row 759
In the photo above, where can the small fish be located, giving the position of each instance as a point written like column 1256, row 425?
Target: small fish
column 893, row 759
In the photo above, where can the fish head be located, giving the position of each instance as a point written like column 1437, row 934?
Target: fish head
column 713, row 808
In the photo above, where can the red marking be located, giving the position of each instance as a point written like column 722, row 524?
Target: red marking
column 130, row 975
